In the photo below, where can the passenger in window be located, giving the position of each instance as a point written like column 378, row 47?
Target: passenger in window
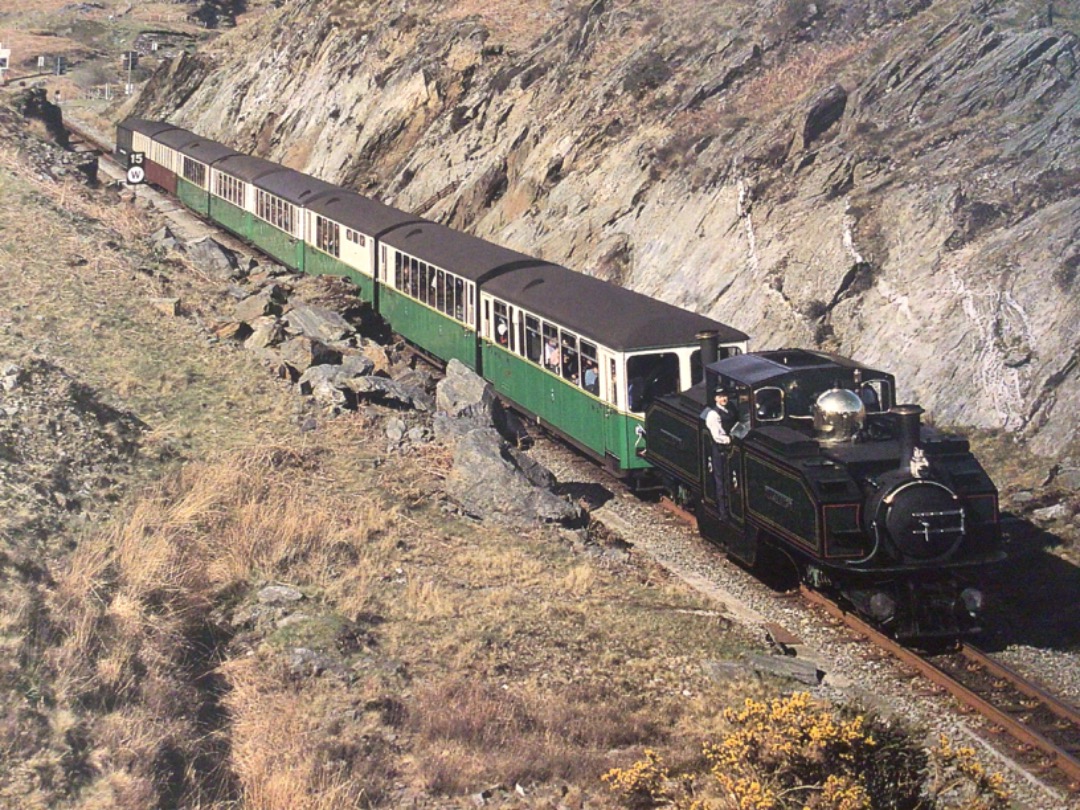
column 551, row 354
column 591, row 378
column 501, row 333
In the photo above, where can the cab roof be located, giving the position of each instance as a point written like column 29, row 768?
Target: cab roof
column 779, row 365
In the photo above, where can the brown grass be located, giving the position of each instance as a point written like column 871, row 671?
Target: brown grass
column 132, row 612
column 809, row 71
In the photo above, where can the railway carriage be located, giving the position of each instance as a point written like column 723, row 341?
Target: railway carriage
column 586, row 357
column 137, row 136
column 282, row 220
column 343, row 230
column 194, row 170
column 428, row 286
column 240, row 205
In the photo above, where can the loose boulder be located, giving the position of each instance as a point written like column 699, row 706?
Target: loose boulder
column 390, row 392
column 488, row 482
column 214, row 258
column 317, row 323
column 464, row 393
column 265, row 302
column 301, row 353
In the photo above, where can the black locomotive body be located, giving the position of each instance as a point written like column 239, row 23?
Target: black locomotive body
column 825, row 468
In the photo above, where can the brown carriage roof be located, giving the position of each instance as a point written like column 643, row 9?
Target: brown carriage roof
column 619, row 318
column 144, row 127
column 176, row 137
column 293, row 186
column 467, row 256
column 205, row 150
column 248, row 167
column 360, row 213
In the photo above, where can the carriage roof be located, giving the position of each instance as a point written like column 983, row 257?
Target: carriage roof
column 467, row 256
column 144, row 127
column 358, row 212
column 293, row 186
column 619, row 318
column 247, row 167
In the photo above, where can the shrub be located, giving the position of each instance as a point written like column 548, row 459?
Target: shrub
column 791, row 752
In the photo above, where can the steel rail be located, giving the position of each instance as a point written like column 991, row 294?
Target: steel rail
column 1062, row 760
column 1021, row 684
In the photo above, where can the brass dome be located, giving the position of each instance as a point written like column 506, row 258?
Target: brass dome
column 839, row 415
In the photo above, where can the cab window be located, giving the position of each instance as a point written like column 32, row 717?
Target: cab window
column 875, row 395
column 769, row 405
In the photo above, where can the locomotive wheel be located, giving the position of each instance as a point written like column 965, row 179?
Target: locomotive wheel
column 773, row 565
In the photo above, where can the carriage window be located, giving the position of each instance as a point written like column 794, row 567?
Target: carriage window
column 568, row 353
column 650, row 376
column 769, row 404
column 439, row 283
column 551, row 348
column 533, row 343
column 398, row 276
column 590, row 371
column 327, row 235
column 195, row 172
column 459, row 299
column 502, row 325
column 875, row 395
column 229, row 188
column 414, row 278
column 613, row 383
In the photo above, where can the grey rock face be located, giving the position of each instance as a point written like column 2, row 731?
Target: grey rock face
column 919, row 215
column 490, row 484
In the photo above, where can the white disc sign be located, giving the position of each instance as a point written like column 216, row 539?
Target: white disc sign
column 136, row 175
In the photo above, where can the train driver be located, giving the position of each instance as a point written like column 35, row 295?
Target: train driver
column 720, row 420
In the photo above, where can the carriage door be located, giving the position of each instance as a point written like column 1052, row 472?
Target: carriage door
column 610, row 380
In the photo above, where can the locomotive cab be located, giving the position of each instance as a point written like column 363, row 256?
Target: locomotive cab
column 824, row 466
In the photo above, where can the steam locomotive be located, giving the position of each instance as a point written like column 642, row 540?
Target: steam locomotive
column 825, row 469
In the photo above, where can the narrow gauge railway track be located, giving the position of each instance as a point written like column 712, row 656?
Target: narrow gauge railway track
column 85, row 142
column 1046, row 730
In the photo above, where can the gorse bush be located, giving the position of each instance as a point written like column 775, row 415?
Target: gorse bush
column 792, row 752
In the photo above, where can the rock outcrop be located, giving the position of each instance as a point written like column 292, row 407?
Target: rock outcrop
column 895, row 181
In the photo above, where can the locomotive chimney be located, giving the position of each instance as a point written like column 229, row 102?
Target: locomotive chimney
column 709, row 341
column 910, row 431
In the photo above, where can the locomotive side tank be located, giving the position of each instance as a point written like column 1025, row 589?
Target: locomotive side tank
column 826, row 468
